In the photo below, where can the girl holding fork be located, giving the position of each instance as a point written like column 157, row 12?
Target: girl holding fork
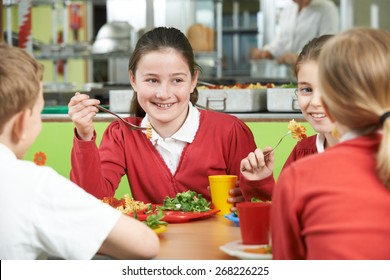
column 258, row 169
column 186, row 143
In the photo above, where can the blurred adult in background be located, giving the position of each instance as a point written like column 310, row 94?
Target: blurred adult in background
column 299, row 22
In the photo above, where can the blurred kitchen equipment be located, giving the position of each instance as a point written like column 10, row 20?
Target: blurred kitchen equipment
column 149, row 15
column 91, row 86
column 233, row 100
column 269, row 68
column 112, row 37
column 203, row 83
column 120, row 100
column 208, row 63
column 282, row 100
column 201, row 37
column 202, row 40
column 58, row 87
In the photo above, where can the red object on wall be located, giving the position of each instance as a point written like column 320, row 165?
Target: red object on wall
column 60, row 63
column 75, row 19
column 25, row 30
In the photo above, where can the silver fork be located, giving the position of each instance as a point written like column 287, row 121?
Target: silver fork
column 273, row 149
column 129, row 125
column 277, row 144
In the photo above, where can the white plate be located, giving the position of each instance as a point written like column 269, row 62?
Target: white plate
column 237, row 249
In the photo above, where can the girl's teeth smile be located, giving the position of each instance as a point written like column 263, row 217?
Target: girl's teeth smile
column 164, row 105
column 318, row 116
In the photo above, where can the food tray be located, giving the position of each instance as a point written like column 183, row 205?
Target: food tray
column 233, row 100
column 282, row 100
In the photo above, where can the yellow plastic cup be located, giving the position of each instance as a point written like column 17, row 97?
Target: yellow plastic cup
column 219, row 189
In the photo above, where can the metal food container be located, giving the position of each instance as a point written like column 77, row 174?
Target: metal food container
column 233, row 100
column 282, row 100
column 112, row 37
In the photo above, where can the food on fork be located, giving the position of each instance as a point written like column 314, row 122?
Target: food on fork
column 148, row 130
column 298, row 131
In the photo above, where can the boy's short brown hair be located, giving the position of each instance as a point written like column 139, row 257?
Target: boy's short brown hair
column 20, row 76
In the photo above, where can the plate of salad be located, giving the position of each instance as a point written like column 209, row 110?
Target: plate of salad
column 184, row 207
column 155, row 221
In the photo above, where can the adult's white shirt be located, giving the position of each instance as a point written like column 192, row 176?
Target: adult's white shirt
column 43, row 213
column 318, row 18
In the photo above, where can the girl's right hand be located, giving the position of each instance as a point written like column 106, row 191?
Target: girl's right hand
column 81, row 110
column 256, row 166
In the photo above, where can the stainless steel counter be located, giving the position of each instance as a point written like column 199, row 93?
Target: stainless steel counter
column 269, row 117
column 246, row 117
column 59, row 94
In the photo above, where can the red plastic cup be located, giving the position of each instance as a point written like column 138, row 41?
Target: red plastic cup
column 254, row 222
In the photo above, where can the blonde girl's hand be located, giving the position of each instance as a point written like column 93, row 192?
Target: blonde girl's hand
column 256, row 166
column 81, row 110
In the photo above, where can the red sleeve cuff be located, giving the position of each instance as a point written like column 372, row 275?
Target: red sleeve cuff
column 260, row 189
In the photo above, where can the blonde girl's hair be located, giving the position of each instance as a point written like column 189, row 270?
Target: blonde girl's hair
column 354, row 72
column 20, row 76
